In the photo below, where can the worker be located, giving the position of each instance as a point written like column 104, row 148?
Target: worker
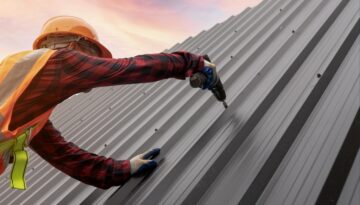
column 66, row 59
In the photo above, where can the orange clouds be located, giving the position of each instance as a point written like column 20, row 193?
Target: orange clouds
column 136, row 30
column 160, row 20
column 126, row 27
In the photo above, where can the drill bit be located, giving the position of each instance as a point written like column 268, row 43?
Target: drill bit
column 225, row 104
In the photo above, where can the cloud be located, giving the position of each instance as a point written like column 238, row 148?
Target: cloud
column 236, row 6
column 126, row 27
column 229, row 7
column 123, row 26
column 148, row 14
column 135, row 29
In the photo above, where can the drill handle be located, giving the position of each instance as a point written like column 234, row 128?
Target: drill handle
column 219, row 91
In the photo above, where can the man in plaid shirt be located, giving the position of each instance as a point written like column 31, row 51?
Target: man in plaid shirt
column 80, row 64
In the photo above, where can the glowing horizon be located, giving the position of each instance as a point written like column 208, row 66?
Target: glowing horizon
column 127, row 28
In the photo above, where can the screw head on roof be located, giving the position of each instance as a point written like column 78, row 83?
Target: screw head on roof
column 318, row 75
column 293, row 31
column 156, row 129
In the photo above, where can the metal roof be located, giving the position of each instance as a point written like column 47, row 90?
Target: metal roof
column 291, row 72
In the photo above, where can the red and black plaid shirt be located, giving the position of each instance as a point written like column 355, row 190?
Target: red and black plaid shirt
column 69, row 72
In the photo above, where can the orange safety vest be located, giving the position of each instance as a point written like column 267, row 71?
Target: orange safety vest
column 16, row 73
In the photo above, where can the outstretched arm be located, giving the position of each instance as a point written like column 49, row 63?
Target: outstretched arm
column 81, row 72
column 68, row 72
column 87, row 167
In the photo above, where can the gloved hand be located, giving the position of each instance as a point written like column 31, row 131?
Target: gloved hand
column 207, row 77
column 142, row 163
column 211, row 75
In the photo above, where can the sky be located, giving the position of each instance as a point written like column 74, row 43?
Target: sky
column 126, row 27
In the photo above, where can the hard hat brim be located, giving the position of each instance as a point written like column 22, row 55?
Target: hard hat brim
column 105, row 53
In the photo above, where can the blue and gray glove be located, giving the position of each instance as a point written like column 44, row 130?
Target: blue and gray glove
column 143, row 163
column 207, row 78
column 211, row 75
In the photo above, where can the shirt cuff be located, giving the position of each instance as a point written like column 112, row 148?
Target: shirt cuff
column 121, row 172
column 198, row 68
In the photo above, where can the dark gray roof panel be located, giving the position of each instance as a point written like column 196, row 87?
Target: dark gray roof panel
column 308, row 162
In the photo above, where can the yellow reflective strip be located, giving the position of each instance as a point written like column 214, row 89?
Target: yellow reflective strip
column 20, row 163
column 20, row 142
column 18, row 170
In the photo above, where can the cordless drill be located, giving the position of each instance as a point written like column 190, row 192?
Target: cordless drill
column 199, row 79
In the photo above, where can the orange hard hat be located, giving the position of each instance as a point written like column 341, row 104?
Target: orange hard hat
column 70, row 25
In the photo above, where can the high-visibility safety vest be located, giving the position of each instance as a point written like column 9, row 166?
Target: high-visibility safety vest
column 16, row 73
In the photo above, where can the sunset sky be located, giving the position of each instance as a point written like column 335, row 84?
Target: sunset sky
column 126, row 27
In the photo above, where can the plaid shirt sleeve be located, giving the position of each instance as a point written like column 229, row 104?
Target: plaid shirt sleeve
column 87, row 167
column 69, row 72
column 82, row 72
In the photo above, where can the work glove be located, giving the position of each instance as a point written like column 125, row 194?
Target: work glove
column 211, row 75
column 207, row 78
column 143, row 163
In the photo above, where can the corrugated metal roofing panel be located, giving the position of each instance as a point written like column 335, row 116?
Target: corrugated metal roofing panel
column 308, row 162
column 291, row 71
